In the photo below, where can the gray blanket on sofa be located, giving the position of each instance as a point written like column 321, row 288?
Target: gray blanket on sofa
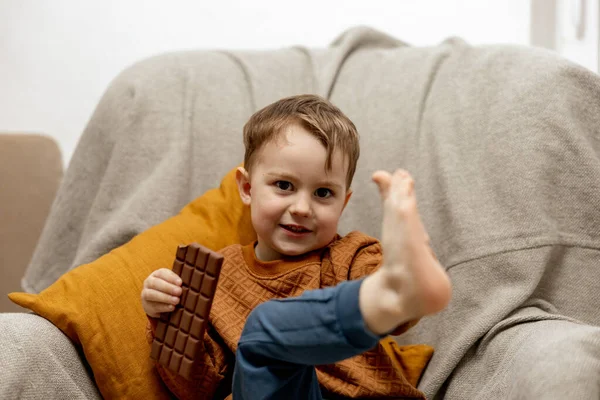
column 504, row 144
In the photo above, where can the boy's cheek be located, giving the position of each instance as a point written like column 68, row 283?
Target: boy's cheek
column 270, row 205
column 265, row 211
column 333, row 221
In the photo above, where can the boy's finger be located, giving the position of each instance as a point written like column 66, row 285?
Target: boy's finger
column 167, row 275
column 383, row 179
column 159, row 308
column 155, row 296
column 163, row 286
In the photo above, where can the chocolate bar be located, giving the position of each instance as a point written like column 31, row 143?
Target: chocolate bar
column 179, row 334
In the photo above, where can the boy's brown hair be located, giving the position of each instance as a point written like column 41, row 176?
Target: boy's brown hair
column 315, row 114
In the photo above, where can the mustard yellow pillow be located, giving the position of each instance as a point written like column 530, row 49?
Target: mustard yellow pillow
column 97, row 305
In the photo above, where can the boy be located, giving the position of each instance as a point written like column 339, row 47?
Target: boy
column 301, row 154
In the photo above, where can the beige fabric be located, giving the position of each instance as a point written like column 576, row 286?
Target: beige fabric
column 168, row 129
column 504, row 145
column 39, row 362
column 30, row 172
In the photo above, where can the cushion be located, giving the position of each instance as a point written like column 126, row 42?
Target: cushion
column 98, row 306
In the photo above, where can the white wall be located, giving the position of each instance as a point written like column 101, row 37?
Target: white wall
column 577, row 32
column 569, row 27
column 57, row 57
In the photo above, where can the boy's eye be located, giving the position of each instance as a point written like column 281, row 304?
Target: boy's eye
column 283, row 185
column 323, row 193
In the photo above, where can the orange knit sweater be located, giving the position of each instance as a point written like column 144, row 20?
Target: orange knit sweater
column 387, row 371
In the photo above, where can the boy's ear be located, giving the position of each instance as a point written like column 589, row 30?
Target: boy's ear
column 348, row 195
column 243, row 182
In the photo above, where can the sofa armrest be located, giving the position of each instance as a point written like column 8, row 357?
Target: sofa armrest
column 30, row 173
column 39, row 362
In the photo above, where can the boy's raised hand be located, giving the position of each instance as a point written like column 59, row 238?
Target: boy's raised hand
column 161, row 292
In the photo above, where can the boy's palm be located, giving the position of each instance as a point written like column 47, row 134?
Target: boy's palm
column 161, row 292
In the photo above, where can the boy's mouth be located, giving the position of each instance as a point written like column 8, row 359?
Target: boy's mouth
column 295, row 228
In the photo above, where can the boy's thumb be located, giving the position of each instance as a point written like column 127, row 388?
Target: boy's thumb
column 383, row 179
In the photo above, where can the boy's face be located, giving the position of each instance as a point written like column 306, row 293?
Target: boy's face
column 295, row 202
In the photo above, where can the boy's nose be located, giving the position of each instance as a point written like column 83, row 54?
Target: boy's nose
column 301, row 206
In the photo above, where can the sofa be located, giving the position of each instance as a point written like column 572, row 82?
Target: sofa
column 503, row 142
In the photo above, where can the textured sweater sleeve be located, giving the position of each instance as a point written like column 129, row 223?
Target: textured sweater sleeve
column 211, row 373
